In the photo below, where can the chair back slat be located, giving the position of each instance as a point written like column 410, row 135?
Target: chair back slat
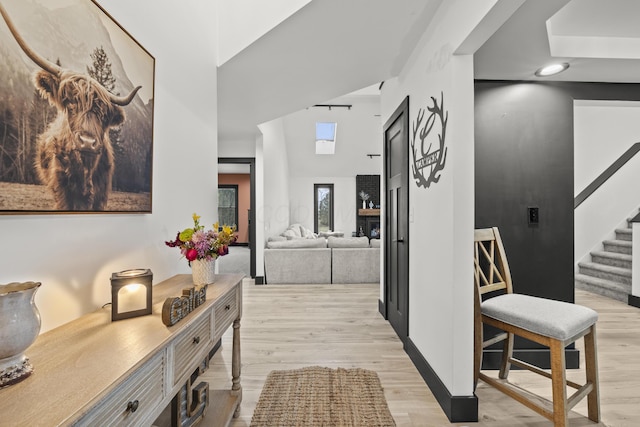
column 491, row 270
column 492, row 288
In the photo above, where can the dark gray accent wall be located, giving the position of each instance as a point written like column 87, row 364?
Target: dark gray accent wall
column 524, row 158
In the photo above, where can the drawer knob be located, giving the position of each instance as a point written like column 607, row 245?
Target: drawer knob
column 196, row 340
column 227, row 307
column 132, row 406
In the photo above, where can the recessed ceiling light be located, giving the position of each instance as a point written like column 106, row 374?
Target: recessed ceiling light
column 552, row 69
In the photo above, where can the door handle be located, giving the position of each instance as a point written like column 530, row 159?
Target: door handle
column 400, row 240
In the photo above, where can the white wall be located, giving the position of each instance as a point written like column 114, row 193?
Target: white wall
column 289, row 144
column 359, row 132
column 344, row 200
column 237, row 148
column 441, row 217
column 291, row 167
column 260, row 197
column 274, row 212
column 603, row 131
column 74, row 255
column 241, row 22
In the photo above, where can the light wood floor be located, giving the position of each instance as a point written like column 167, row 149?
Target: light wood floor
column 291, row 326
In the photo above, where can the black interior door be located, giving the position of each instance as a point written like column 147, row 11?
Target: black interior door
column 396, row 140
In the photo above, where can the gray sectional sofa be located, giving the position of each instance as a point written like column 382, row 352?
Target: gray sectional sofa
column 319, row 260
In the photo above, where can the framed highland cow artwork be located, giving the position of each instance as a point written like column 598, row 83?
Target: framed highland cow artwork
column 76, row 111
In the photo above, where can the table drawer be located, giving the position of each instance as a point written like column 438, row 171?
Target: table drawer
column 188, row 349
column 225, row 311
column 132, row 402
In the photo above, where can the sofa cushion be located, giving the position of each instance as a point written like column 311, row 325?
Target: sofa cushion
column 348, row 242
column 298, row 265
column 326, row 234
column 298, row 243
column 375, row 243
column 277, row 239
column 355, row 265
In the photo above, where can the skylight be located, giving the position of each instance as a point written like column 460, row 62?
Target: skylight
column 326, row 137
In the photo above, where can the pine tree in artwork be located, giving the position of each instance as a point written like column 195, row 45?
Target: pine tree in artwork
column 101, row 72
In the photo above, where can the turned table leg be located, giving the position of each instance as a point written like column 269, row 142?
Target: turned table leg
column 236, row 388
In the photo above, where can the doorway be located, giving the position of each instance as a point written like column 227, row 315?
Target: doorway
column 396, row 254
column 244, row 166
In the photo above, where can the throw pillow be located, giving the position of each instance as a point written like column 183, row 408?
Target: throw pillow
column 290, row 235
column 297, row 229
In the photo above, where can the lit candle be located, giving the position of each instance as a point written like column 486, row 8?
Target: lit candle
column 132, row 297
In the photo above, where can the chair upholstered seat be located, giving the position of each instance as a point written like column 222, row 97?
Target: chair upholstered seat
column 551, row 318
column 549, row 323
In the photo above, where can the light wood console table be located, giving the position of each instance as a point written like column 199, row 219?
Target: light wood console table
column 96, row 372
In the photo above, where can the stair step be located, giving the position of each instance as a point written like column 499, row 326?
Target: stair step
column 619, row 246
column 603, row 287
column 613, row 259
column 624, row 234
column 607, row 272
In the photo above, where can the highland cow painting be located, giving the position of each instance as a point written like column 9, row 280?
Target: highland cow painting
column 76, row 111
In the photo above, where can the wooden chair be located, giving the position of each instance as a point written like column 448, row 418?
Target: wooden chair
column 551, row 323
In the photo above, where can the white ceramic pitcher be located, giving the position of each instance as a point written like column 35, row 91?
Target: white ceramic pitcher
column 19, row 328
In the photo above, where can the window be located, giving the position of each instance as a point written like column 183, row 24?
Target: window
column 326, row 137
column 323, row 203
column 228, row 205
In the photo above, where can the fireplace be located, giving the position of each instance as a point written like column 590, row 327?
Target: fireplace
column 368, row 212
column 369, row 223
column 372, row 227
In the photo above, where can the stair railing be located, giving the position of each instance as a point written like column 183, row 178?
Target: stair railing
column 608, row 173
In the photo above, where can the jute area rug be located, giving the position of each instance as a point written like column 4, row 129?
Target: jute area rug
column 318, row 396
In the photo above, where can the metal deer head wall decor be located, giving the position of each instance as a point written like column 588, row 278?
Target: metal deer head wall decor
column 428, row 164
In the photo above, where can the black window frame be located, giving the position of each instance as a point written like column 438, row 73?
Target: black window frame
column 316, row 187
column 227, row 187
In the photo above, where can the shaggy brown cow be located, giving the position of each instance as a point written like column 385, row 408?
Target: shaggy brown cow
column 74, row 154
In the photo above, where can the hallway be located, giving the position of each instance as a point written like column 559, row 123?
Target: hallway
column 236, row 261
column 291, row 326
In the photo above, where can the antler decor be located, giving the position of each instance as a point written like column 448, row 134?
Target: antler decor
column 434, row 160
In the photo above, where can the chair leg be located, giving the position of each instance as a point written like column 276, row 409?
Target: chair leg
column 591, row 367
column 559, row 382
column 478, row 337
column 507, row 354
column 477, row 357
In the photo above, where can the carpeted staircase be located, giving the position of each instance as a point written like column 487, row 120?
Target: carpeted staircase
column 609, row 272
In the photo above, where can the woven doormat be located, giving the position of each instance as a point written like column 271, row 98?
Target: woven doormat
column 318, row 396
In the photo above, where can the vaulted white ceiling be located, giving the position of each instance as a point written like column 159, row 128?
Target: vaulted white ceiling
column 328, row 48
column 599, row 39
column 324, row 50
